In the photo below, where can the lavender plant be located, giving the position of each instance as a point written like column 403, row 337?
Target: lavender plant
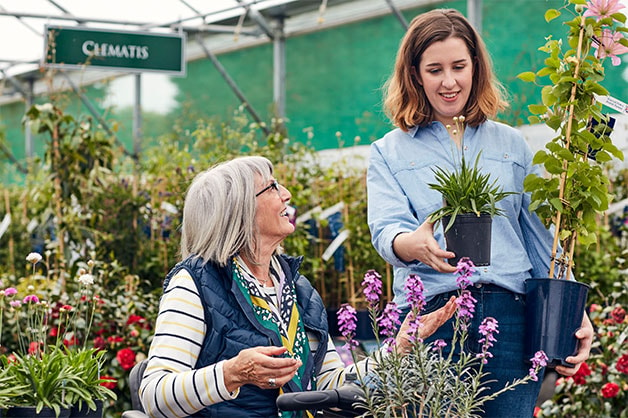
column 425, row 381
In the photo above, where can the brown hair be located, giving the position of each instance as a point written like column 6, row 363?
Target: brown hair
column 405, row 101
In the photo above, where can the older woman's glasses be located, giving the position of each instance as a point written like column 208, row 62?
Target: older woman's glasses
column 273, row 185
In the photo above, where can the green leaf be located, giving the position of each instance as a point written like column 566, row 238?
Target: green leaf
column 537, row 109
column 557, row 204
column 551, row 14
column 527, row 76
column 620, row 17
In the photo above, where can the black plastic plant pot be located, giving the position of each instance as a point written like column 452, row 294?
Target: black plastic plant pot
column 554, row 311
column 85, row 412
column 29, row 411
column 469, row 236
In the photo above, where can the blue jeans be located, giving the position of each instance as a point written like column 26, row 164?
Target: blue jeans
column 508, row 362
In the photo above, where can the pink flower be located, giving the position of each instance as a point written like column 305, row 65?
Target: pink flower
column 30, row 299
column 10, row 291
column 602, row 8
column 609, row 46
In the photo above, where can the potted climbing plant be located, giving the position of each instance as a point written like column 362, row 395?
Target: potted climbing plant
column 575, row 188
column 470, row 199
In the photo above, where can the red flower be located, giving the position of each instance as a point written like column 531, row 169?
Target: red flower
column 126, row 358
column 133, row 319
column 113, row 339
column 34, row 348
column 67, row 308
column 618, row 314
column 71, row 342
column 99, row 343
column 610, row 390
column 111, row 382
column 622, row 364
column 583, row 371
column 54, row 331
column 536, row 411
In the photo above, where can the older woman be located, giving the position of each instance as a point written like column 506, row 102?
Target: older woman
column 238, row 324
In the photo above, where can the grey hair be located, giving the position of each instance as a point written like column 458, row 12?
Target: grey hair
column 219, row 210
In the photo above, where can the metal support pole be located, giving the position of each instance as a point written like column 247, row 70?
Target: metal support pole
column 474, row 14
column 279, row 69
column 137, row 117
column 95, row 113
column 233, row 85
column 398, row 14
column 28, row 135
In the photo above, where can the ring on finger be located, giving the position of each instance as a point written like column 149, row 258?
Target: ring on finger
column 272, row 383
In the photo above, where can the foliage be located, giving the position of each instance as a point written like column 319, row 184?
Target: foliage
column 576, row 188
column 427, row 380
column 47, row 355
column 125, row 214
column 599, row 388
column 466, row 190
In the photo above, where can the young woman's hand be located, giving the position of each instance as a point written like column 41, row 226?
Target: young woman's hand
column 420, row 245
column 429, row 324
column 585, row 337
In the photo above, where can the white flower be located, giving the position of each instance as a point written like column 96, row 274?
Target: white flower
column 86, row 279
column 33, row 258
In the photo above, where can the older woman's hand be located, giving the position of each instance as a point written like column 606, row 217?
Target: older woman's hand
column 585, row 335
column 260, row 366
column 429, row 324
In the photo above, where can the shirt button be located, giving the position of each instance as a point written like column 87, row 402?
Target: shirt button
column 506, row 156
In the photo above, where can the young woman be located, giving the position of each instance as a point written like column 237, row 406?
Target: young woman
column 443, row 71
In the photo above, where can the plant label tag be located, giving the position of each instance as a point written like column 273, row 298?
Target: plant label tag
column 613, row 103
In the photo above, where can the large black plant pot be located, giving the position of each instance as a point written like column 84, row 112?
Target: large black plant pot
column 85, row 412
column 469, row 236
column 554, row 311
column 29, row 411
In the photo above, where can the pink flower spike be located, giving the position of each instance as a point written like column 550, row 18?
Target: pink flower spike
column 601, row 9
column 609, row 46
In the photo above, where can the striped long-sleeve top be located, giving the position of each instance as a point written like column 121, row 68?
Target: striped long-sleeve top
column 172, row 388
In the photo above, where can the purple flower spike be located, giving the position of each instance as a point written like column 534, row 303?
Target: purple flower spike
column 439, row 345
column 488, row 328
column 389, row 322
column 347, row 324
column 372, row 285
column 539, row 360
column 466, row 305
column 414, row 292
column 464, row 270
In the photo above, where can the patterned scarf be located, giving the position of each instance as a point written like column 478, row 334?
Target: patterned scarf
column 279, row 315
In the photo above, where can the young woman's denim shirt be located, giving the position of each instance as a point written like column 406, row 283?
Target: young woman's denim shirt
column 399, row 200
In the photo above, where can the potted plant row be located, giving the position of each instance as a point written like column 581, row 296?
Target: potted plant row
column 574, row 190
